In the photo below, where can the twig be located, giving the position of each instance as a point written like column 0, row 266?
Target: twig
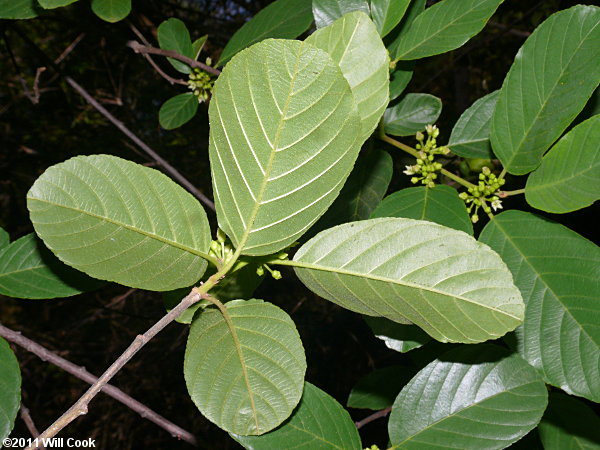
column 69, row 49
column 79, row 372
column 143, row 49
column 26, row 418
column 372, row 417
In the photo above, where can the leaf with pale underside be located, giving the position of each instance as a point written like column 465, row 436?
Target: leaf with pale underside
column 442, row 280
column 328, row 11
column 411, row 114
column 473, row 397
column 552, row 78
column 558, row 273
column 284, row 135
column 319, row 422
column 569, row 176
column 10, row 394
column 245, row 372
column 119, row 221
column 353, row 42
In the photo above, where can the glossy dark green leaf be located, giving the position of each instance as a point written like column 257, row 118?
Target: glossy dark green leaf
column 415, row 8
column 400, row 77
column 328, row 11
column 440, row 279
column 173, row 35
column 29, row 270
column 120, row 221
column 552, row 78
column 470, row 136
column 177, row 110
column 51, row 4
column 245, row 372
column 569, row 176
column 558, row 273
column 387, row 14
column 10, row 394
column 318, row 423
column 473, row 397
column 352, row 42
column 397, row 336
column 440, row 204
column 111, row 10
column 411, row 114
column 284, row 136
column 19, row 9
column 284, row 19
column 378, row 389
column 444, row 26
column 569, row 424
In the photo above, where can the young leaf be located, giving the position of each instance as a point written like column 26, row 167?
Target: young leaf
column 174, row 35
column 472, row 397
column 328, row 11
column 397, row 336
column 284, row 135
column 198, row 45
column 284, row 19
column 177, row 110
column 553, row 76
column 569, row 423
column 29, row 270
column 387, row 14
column 394, row 39
column 470, row 136
column 352, row 42
column 364, row 189
column 400, row 78
column 444, row 26
column 440, row 204
column 19, row 9
column 119, row 221
column 111, row 10
column 413, row 113
column 51, row 4
column 557, row 272
column 378, row 389
column 10, row 394
column 440, row 279
column 245, row 372
column 569, row 176
column 319, row 422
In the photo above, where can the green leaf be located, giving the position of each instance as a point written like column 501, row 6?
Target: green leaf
column 10, row 394
column 245, row 372
column 198, row 45
column 353, row 42
column 569, row 176
column 284, row 19
column 283, row 139
column 319, row 422
column 387, row 14
column 328, row 11
column 473, row 397
column 4, row 238
column 51, row 4
column 364, row 189
column 394, row 39
column 569, row 424
column 18, row 9
column 111, row 10
column 177, row 110
column 553, row 76
column 174, row 35
column 378, row 389
column 440, row 204
column 397, row 336
column 400, row 78
column 444, row 26
column 443, row 280
column 557, row 272
column 413, row 113
column 120, row 221
column 29, row 270
column 470, row 136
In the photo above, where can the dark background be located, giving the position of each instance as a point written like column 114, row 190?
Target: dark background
column 93, row 329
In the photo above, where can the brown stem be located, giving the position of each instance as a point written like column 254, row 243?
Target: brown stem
column 145, row 49
column 372, row 417
column 29, row 424
column 79, row 372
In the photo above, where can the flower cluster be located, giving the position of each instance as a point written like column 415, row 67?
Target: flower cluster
column 201, row 83
column 486, row 191
column 426, row 168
